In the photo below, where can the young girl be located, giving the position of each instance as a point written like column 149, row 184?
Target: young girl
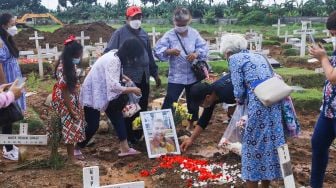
column 65, row 97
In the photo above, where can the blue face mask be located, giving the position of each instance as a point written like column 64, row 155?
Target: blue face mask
column 76, row 61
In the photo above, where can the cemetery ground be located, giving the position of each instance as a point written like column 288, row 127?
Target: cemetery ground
column 39, row 171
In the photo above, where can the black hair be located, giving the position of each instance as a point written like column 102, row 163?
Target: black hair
column 70, row 51
column 4, row 20
column 199, row 91
column 331, row 22
column 180, row 13
column 130, row 50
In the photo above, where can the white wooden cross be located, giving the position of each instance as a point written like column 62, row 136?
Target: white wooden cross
column 49, row 52
column 101, row 43
column 91, row 180
column 331, row 40
column 286, row 166
column 303, row 32
column 37, row 38
column 326, row 31
column 25, row 53
column 220, row 32
column 82, row 38
column 154, row 35
column 286, row 36
column 279, row 25
column 23, row 138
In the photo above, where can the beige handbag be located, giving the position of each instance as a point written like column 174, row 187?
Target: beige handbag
column 272, row 90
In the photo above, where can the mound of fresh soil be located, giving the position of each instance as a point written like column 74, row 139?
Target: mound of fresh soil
column 93, row 30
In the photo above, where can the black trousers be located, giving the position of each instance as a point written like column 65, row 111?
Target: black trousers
column 113, row 112
column 7, row 129
column 134, row 135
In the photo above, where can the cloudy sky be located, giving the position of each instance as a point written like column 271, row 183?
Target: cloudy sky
column 52, row 4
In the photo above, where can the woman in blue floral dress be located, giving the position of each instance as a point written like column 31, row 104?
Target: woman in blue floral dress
column 9, row 72
column 264, row 131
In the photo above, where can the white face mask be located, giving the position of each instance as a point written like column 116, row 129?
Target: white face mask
column 135, row 24
column 181, row 29
column 12, row 31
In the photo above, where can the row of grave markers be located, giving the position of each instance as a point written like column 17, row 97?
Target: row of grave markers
column 255, row 42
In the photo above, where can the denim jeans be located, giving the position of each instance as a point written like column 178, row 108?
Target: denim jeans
column 173, row 93
column 324, row 134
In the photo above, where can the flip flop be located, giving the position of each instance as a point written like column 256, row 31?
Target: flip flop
column 78, row 155
column 131, row 151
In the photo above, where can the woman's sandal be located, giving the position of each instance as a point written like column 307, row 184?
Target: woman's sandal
column 79, row 155
column 131, row 151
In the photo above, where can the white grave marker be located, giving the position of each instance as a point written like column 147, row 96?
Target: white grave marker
column 101, row 43
column 279, row 25
column 91, row 180
column 304, row 31
column 220, row 32
column 25, row 53
column 23, row 138
column 82, row 38
column 49, row 52
column 38, row 48
column 286, row 166
column 286, row 36
column 326, row 31
column 154, row 35
column 331, row 40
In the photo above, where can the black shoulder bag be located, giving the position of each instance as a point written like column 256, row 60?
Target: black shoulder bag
column 200, row 68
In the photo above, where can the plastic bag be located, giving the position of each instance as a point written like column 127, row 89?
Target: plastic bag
column 132, row 107
column 234, row 131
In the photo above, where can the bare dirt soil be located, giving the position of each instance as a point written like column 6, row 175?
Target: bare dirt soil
column 94, row 30
column 117, row 170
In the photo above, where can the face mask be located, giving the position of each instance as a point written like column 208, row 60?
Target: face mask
column 12, row 31
column 135, row 24
column 181, row 29
column 76, row 61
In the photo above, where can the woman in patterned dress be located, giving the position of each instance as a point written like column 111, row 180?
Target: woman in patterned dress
column 325, row 128
column 9, row 72
column 65, row 97
column 264, row 131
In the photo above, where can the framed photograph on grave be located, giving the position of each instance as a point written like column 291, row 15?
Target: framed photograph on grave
column 160, row 133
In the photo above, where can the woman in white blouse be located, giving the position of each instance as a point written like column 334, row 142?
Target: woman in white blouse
column 103, row 91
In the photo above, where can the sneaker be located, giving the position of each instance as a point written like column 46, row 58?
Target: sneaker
column 4, row 149
column 12, row 154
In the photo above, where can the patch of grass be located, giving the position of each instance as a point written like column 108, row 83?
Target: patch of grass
column 301, row 77
column 286, row 46
column 219, row 66
column 47, row 28
column 297, row 59
column 290, row 52
column 33, row 120
column 309, row 100
column 34, row 83
column 33, row 67
column 270, row 43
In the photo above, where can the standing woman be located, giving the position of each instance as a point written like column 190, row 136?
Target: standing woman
column 169, row 48
column 9, row 71
column 325, row 128
column 264, row 131
column 65, row 97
